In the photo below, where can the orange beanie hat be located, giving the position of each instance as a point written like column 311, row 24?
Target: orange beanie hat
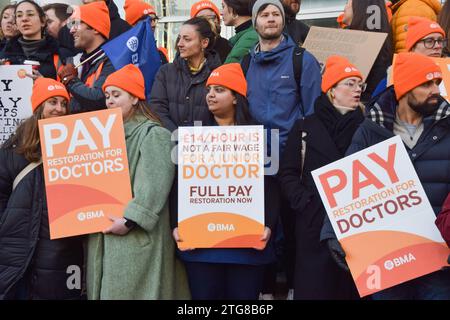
column 418, row 28
column 199, row 6
column 135, row 10
column 95, row 15
column 412, row 70
column 338, row 68
column 230, row 76
column 45, row 88
column 128, row 78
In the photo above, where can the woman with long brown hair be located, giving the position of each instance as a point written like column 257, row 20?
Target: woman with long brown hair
column 8, row 27
column 135, row 257
column 31, row 265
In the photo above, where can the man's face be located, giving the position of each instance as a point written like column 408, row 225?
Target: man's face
column 211, row 16
column 53, row 23
column 293, row 5
column 83, row 35
column 269, row 23
column 424, row 99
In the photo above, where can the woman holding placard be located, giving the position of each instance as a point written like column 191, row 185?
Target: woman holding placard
column 229, row 273
column 313, row 142
column 31, row 265
column 135, row 257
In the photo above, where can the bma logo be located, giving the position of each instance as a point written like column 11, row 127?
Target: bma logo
column 397, row 262
column 133, row 43
column 214, row 227
column 90, row 215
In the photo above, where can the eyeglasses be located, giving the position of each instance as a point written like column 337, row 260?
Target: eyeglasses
column 430, row 43
column 355, row 85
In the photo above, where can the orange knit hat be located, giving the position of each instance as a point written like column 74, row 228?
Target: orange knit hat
column 338, row 68
column 45, row 88
column 419, row 28
column 230, row 76
column 412, row 70
column 95, row 15
column 128, row 78
column 135, row 10
column 199, row 6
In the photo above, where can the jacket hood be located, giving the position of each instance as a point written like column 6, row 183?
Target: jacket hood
column 275, row 53
column 382, row 110
column 433, row 4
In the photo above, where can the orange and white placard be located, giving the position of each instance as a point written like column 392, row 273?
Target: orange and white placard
column 86, row 171
column 221, row 186
column 381, row 216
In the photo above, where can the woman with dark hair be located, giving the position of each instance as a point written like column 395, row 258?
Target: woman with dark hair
column 8, row 27
column 238, row 13
column 134, row 259
column 178, row 92
column 32, row 43
column 362, row 15
column 229, row 274
column 444, row 22
column 315, row 141
column 31, row 265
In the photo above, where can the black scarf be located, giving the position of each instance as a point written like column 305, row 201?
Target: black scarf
column 341, row 127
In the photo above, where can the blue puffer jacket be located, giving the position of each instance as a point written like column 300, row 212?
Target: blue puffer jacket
column 430, row 156
column 273, row 93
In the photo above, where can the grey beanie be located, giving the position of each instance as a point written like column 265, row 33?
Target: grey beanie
column 259, row 3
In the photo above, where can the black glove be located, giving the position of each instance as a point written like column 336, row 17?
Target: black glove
column 337, row 253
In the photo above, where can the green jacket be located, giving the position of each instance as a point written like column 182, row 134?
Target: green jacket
column 242, row 43
column 141, row 264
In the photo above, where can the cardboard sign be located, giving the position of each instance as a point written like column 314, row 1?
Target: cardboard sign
column 15, row 98
column 221, row 186
column 381, row 216
column 86, row 171
column 443, row 63
column 361, row 48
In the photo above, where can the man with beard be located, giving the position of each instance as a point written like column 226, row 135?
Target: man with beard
column 296, row 29
column 284, row 81
column 413, row 109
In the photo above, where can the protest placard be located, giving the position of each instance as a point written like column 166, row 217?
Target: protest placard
column 86, row 171
column 361, row 48
column 381, row 216
column 15, row 98
column 221, row 186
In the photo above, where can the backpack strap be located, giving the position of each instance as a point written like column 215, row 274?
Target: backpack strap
column 297, row 64
column 24, row 172
column 245, row 63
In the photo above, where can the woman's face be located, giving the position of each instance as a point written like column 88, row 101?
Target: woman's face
column 347, row 93
column 190, row 44
column 434, row 50
column 28, row 21
column 54, row 107
column 221, row 101
column 348, row 13
column 118, row 98
column 227, row 14
column 8, row 24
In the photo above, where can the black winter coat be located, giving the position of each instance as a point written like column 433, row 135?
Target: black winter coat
column 26, row 252
column 223, row 48
column 14, row 53
column 297, row 30
column 179, row 97
column 317, row 276
column 118, row 25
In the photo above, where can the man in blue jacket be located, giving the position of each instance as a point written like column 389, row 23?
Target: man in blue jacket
column 278, row 93
column 414, row 110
